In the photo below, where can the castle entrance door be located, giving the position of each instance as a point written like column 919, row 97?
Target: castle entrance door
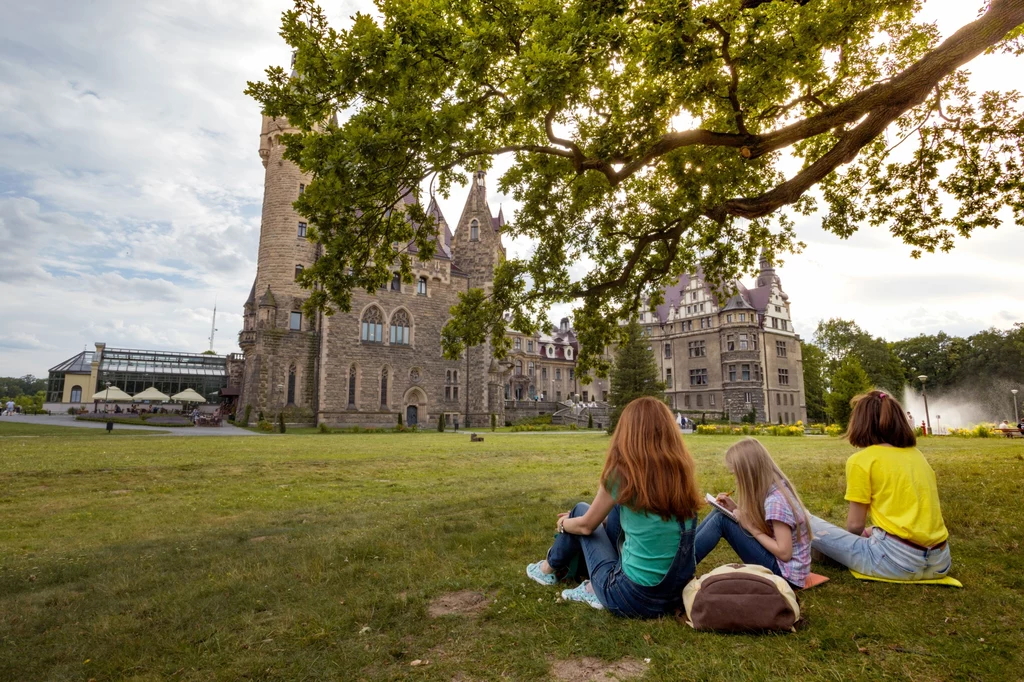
column 411, row 415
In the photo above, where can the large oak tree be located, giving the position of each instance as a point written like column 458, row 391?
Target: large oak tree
column 648, row 138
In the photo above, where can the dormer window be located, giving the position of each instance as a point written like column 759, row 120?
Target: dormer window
column 474, row 230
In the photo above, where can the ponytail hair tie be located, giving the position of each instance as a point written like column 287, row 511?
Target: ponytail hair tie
column 882, row 395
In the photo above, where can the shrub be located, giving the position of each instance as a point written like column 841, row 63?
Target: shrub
column 71, row 410
column 399, row 421
column 440, row 423
column 280, row 422
column 833, row 430
column 494, row 422
column 259, row 415
column 248, row 413
column 323, row 428
column 264, row 425
column 982, row 431
column 590, row 420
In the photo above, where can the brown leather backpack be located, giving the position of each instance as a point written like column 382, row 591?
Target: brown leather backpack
column 740, row 598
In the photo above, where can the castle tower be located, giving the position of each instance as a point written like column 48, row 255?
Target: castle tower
column 279, row 342
column 476, row 251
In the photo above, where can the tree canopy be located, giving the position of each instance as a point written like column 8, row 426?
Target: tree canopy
column 635, row 373
column 648, row 139
column 849, row 381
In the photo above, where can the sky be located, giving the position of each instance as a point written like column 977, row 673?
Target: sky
column 131, row 188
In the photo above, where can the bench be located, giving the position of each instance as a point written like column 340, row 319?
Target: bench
column 1010, row 432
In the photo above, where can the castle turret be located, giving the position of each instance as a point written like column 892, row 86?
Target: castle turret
column 477, row 247
column 281, row 347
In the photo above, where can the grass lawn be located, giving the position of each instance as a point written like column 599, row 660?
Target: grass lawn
column 12, row 429
column 307, row 558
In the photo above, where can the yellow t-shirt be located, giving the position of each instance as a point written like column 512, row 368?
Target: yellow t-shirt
column 898, row 485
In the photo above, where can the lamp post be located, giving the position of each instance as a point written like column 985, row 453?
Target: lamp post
column 1016, row 414
column 938, row 423
column 928, row 422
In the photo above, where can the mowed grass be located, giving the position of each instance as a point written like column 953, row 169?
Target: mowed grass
column 315, row 557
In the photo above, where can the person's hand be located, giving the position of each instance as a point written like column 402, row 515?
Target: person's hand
column 867, row 531
column 559, row 522
column 726, row 501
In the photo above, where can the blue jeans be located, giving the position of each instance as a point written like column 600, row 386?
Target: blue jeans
column 881, row 555
column 717, row 526
column 620, row 595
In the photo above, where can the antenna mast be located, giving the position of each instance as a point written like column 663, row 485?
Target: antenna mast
column 213, row 325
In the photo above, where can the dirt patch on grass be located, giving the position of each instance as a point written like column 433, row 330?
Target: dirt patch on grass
column 596, row 670
column 463, row 603
column 269, row 538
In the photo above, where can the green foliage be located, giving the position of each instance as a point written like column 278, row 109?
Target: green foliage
column 590, row 420
column 265, row 426
column 247, row 414
column 440, row 423
column 750, row 417
column 540, row 420
column 494, row 422
column 635, row 373
column 323, row 428
column 814, row 381
column 12, row 387
column 280, row 422
column 592, row 99
column 848, row 381
column 31, row 404
column 399, row 419
column 839, row 339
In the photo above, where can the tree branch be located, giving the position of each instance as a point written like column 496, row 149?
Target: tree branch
column 734, row 78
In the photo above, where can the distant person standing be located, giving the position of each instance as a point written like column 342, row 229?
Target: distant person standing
column 10, row 408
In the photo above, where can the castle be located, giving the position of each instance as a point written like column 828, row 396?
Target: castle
column 383, row 361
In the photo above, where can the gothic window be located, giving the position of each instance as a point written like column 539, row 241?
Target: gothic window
column 302, row 189
column 748, row 398
column 743, row 342
column 421, row 286
column 732, row 372
column 668, row 377
column 295, row 321
column 518, row 343
column 298, row 271
column 730, row 343
column 400, row 328
column 474, row 230
column 302, row 229
column 396, row 282
column 745, row 372
column 698, row 377
column 743, row 317
column 291, row 385
column 696, row 349
column 784, row 377
column 668, row 351
column 728, row 318
column 373, row 325
column 352, row 386
column 780, row 349
column 384, row 387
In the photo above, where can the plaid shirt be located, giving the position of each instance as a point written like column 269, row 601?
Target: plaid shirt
column 776, row 508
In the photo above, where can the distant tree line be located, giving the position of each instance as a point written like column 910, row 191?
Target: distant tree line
column 12, row 387
column 843, row 360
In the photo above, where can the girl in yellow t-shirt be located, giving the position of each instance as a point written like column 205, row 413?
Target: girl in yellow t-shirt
column 890, row 480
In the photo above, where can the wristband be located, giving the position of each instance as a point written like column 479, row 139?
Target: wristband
column 561, row 525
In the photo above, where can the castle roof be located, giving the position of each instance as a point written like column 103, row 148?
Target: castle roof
column 267, row 299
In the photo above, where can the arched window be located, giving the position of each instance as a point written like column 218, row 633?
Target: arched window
column 76, row 394
column 298, row 271
column 421, row 286
column 530, row 369
column 291, row 385
column 384, row 387
column 373, row 325
column 352, row 386
column 448, row 385
column 400, row 328
column 474, row 230
column 519, row 368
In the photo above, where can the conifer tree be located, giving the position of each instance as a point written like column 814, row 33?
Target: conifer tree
column 634, row 374
column 848, row 381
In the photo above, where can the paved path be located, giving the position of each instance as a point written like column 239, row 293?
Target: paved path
column 68, row 420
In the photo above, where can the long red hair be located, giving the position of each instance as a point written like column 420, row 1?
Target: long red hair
column 649, row 464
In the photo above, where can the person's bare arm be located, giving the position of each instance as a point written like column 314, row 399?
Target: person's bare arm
column 856, row 518
column 586, row 524
column 781, row 546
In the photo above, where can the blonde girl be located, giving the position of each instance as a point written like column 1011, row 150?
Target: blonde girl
column 772, row 527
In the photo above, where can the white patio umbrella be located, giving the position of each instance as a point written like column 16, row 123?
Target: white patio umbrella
column 188, row 396
column 152, row 395
column 111, row 394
